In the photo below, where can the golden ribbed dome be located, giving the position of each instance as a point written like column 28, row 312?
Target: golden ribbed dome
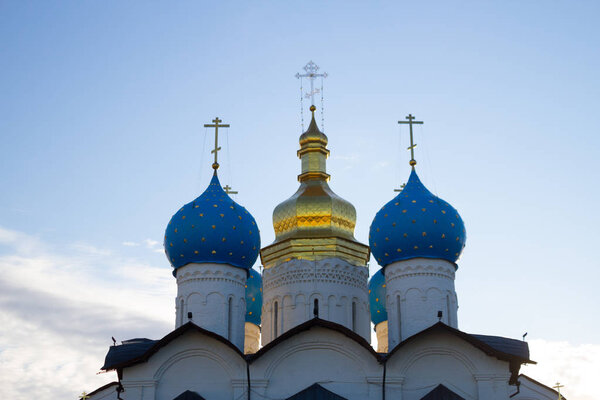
column 314, row 223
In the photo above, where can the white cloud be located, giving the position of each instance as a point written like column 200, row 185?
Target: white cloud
column 130, row 244
column 575, row 366
column 59, row 311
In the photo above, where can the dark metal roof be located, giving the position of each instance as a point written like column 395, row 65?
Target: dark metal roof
column 140, row 350
column 441, row 392
column 517, row 348
column 315, row 392
column 502, row 348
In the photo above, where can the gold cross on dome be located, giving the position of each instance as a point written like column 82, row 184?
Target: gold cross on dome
column 557, row 387
column 228, row 190
column 412, row 146
column 84, row 396
column 216, row 125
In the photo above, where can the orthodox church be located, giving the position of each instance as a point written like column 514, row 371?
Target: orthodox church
column 302, row 329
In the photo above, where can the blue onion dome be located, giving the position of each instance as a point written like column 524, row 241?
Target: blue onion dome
column 253, row 297
column 212, row 229
column 377, row 297
column 416, row 223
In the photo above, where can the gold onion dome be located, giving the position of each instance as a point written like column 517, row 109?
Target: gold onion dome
column 314, row 223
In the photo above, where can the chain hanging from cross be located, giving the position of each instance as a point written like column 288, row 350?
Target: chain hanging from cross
column 228, row 190
column 311, row 72
column 412, row 146
column 216, row 124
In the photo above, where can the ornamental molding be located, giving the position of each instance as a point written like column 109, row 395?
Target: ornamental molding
column 211, row 272
column 333, row 271
column 409, row 269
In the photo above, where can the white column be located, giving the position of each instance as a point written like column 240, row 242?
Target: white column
column 214, row 294
column 417, row 289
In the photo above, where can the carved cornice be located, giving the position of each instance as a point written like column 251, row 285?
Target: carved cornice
column 334, row 271
column 212, row 273
column 420, row 267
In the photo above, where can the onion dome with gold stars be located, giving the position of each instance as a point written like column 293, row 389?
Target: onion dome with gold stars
column 253, row 297
column 377, row 297
column 416, row 223
column 212, row 229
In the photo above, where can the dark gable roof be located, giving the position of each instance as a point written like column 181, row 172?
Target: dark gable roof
column 101, row 388
column 315, row 392
column 523, row 376
column 140, row 350
column 496, row 346
column 189, row 395
column 316, row 322
column 441, row 392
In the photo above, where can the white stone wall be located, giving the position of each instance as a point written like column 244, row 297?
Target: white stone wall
column 532, row 390
column 215, row 295
column 292, row 288
column 416, row 290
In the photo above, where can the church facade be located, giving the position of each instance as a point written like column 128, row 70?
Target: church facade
column 302, row 328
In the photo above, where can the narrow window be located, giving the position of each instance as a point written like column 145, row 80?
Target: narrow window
column 354, row 316
column 398, row 306
column 275, row 320
column 316, row 308
column 229, row 318
column 180, row 312
column 448, row 309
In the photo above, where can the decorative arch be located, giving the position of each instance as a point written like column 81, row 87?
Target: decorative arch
column 174, row 359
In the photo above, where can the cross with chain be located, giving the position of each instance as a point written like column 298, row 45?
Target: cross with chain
column 412, row 146
column 84, row 396
column 311, row 73
column 228, row 190
column 557, row 387
column 216, row 125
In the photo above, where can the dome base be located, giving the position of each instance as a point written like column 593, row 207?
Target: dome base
column 315, row 249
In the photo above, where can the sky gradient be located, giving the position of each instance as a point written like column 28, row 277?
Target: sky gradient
column 102, row 106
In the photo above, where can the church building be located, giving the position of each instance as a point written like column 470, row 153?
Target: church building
column 302, row 328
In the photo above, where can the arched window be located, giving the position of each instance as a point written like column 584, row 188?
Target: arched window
column 316, row 308
column 353, row 315
column 229, row 318
column 399, row 308
column 275, row 319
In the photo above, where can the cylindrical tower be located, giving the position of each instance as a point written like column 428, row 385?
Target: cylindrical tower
column 211, row 243
column 315, row 267
column 417, row 238
column 253, row 311
column 379, row 317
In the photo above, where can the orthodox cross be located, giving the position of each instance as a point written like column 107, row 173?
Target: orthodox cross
column 412, row 146
column 311, row 73
column 228, row 190
column 217, row 124
column 557, row 387
column 84, row 396
column 401, row 188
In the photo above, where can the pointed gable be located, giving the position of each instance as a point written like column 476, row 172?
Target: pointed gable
column 441, row 392
column 315, row 392
column 189, row 395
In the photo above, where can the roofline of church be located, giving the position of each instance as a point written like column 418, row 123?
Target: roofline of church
column 318, row 322
column 514, row 360
column 101, row 388
column 541, row 384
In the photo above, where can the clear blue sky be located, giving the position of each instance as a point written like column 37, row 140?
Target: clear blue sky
column 102, row 106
